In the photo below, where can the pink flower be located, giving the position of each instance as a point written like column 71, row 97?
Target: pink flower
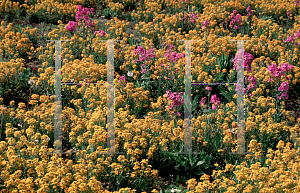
column 192, row 20
column 278, row 73
column 202, row 100
column 290, row 39
column 122, row 78
column 215, row 99
column 272, row 68
column 284, row 86
column 235, row 20
column 286, row 67
column 252, row 79
column 171, row 46
column 247, row 60
column 83, row 13
column 214, row 108
column 144, row 55
column 237, row 87
column 101, row 33
column 297, row 34
column 288, row 14
column 173, row 57
column 79, row 7
column 176, row 98
column 250, row 86
column 71, row 26
column 143, row 71
column 208, row 88
column 248, row 9
column 284, row 94
column 205, row 23
column 279, row 97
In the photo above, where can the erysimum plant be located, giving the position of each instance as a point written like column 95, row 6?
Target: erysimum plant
column 15, row 87
column 166, row 80
column 282, row 87
column 191, row 165
column 82, row 18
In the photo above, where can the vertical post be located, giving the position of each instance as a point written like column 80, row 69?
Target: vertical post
column 110, row 98
column 187, row 100
column 240, row 99
column 57, row 99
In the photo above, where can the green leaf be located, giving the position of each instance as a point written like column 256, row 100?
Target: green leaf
column 200, row 163
column 195, row 102
column 185, row 164
column 92, row 148
column 199, row 173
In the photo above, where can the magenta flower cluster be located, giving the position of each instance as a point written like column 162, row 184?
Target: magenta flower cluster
column 216, row 101
column 202, row 101
column 236, row 20
column 173, row 57
column 189, row 17
column 253, row 82
column 247, row 61
column 278, row 72
column 100, row 32
column 296, row 2
column 193, row 17
column 82, row 13
column 248, row 58
column 72, row 25
column 292, row 37
column 122, row 78
column 249, row 11
column 176, row 98
column 205, row 23
column 143, row 56
column 208, row 88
